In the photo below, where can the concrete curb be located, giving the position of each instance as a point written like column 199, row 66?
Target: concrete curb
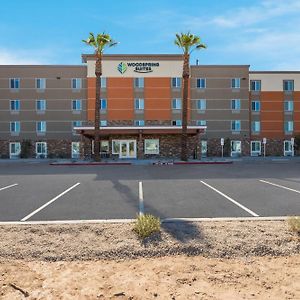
column 92, row 164
column 167, row 220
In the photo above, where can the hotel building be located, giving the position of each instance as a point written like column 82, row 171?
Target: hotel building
column 48, row 111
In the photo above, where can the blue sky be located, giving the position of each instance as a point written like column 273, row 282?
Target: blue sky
column 264, row 34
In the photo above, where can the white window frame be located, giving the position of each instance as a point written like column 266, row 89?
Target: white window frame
column 256, row 84
column 139, row 104
column 255, row 126
column 288, row 152
column 76, row 83
column 39, row 154
column 234, row 128
column 40, row 83
column 176, row 103
column 44, row 105
column 139, row 82
column 236, row 83
column 103, row 100
column 14, row 154
column 288, row 105
column 43, row 126
column 103, row 123
column 201, row 104
column 154, row 151
column 15, row 101
column 75, row 154
column 13, row 82
column 289, row 126
column 255, row 152
column 200, row 81
column 233, row 152
column 176, row 82
column 16, row 127
column 256, row 104
column 236, row 104
column 77, row 107
column 288, row 85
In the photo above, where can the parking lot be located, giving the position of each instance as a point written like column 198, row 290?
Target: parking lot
column 36, row 191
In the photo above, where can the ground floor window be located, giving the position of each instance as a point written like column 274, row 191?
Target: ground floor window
column 104, row 147
column 151, row 146
column 124, row 148
column 288, row 148
column 75, row 149
column 41, row 149
column 255, row 148
column 14, row 150
column 203, row 148
column 236, row 148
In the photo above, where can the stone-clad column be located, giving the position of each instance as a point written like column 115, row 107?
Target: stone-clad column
column 140, row 152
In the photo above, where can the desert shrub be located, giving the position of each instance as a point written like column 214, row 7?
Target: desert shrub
column 294, row 223
column 146, row 225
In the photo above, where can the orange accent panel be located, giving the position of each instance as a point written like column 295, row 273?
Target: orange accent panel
column 157, row 95
column 91, row 94
column 272, row 114
column 120, row 100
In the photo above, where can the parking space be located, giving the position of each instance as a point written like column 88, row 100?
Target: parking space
column 40, row 192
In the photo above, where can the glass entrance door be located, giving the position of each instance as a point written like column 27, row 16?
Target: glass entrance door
column 14, row 150
column 127, row 149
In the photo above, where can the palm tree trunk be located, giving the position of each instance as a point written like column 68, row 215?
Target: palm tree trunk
column 98, row 73
column 184, row 137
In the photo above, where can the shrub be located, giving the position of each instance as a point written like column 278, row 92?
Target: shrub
column 294, row 223
column 146, row 225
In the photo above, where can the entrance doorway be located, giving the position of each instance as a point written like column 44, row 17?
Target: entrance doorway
column 125, row 148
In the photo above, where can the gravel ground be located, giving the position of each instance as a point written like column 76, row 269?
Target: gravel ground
column 118, row 241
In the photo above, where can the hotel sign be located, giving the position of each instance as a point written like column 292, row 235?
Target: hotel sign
column 138, row 67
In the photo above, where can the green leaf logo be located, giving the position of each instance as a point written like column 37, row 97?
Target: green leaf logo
column 122, row 67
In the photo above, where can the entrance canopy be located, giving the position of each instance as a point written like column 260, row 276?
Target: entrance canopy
column 89, row 131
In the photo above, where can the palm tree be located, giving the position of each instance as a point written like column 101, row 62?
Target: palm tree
column 99, row 43
column 187, row 42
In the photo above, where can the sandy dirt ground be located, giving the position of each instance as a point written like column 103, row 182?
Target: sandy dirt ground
column 212, row 260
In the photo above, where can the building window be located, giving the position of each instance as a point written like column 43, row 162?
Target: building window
column 40, row 83
column 201, row 83
column 40, row 105
column 76, row 83
column 176, row 123
column 139, row 82
column 15, row 105
column 104, row 147
column 201, row 104
column 288, row 105
column 255, row 148
column 151, row 146
column 235, row 104
column 76, row 105
column 103, row 82
column 255, row 105
column 14, row 149
column 41, row 149
column 176, row 82
column 76, row 124
column 103, row 104
column 235, row 83
column 139, row 104
column 201, row 122
column 236, row 125
column 288, row 85
column 103, row 123
column 255, row 126
column 255, row 85
column 41, row 127
column 139, row 123
column 15, row 127
column 176, row 103
column 14, row 83
column 115, row 147
column 288, row 148
column 75, row 150
column 288, row 126
column 236, row 147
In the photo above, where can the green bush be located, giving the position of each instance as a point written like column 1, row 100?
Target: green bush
column 294, row 223
column 146, row 225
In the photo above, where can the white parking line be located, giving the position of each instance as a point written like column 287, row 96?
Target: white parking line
column 280, row 186
column 141, row 199
column 7, row 187
column 230, row 199
column 49, row 202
